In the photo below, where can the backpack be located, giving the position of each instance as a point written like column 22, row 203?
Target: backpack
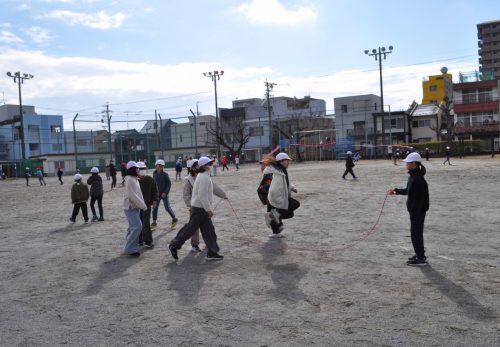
column 178, row 167
column 263, row 189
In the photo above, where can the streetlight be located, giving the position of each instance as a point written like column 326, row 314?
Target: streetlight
column 215, row 76
column 19, row 79
column 378, row 54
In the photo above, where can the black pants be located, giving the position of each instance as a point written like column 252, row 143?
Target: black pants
column 284, row 214
column 225, row 167
column 417, row 234
column 146, row 236
column 60, row 178
column 113, row 181
column 27, row 180
column 93, row 199
column 447, row 160
column 199, row 219
column 76, row 209
column 348, row 170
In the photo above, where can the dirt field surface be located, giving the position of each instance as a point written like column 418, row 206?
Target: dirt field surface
column 69, row 284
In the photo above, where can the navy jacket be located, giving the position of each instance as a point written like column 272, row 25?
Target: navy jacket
column 348, row 162
column 417, row 191
column 162, row 182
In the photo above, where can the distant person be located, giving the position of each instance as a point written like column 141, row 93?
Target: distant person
column 79, row 196
column 112, row 173
column 133, row 203
column 214, row 166
column 187, row 194
column 123, row 170
column 96, row 194
column 39, row 174
column 178, row 170
column 427, row 154
column 27, row 175
column 225, row 162
column 163, row 183
column 150, row 195
column 106, row 171
column 447, row 154
column 237, row 162
column 60, row 174
column 417, row 205
column 349, row 164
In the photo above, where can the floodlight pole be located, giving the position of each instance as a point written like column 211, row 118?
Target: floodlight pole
column 215, row 76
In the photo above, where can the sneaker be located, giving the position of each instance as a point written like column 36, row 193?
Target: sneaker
column 86, row 221
column 268, row 218
column 173, row 251
column 149, row 245
column 134, row 255
column 275, row 214
column 174, row 223
column 214, row 256
column 276, row 236
column 141, row 243
column 153, row 225
column 101, row 219
column 72, row 220
column 195, row 248
column 95, row 219
column 415, row 257
column 417, row 262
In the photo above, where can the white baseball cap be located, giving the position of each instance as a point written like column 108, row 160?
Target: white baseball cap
column 412, row 157
column 349, row 152
column 282, row 156
column 78, row 177
column 94, row 170
column 204, row 161
column 131, row 164
column 141, row 165
column 447, row 147
column 160, row 162
column 191, row 162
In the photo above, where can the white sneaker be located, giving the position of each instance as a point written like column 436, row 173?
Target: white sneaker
column 276, row 215
column 269, row 218
column 281, row 227
column 276, row 236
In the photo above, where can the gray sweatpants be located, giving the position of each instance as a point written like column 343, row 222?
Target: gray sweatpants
column 199, row 219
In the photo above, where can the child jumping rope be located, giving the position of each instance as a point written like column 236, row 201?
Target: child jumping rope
column 417, row 205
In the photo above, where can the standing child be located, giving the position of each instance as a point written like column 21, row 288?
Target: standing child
column 214, row 166
column 112, row 173
column 417, row 205
column 427, row 154
column 27, row 175
column 178, row 170
column 96, row 193
column 349, row 164
column 280, row 205
column 133, row 203
column 447, row 156
column 237, row 162
column 150, row 195
column 79, row 197
column 60, row 174
column 39, row 174
column 163, row 183
column 225, row 161
column 106, row 170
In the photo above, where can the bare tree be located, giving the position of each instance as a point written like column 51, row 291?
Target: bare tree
column 447, row 118
column 232, row 134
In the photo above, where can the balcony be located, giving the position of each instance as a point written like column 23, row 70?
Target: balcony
column 486, row 127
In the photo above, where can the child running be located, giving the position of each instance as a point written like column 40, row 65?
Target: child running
column 417, row 205
column 201, row 213
column 133, row 203
column 96, row 193
column 280, row 203
column 349, row 164
column 79, row 197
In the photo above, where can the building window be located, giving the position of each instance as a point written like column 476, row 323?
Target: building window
column 56, row 147
column 433, row 88
column 58, row 164
column 34, row 132
column 180, row 138
column 257, row 131
column 344, row 108
column 414, row 124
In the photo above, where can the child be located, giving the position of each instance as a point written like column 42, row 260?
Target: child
column 163, row 183
column 96, row 193
column 225, row 161
column 150, row 195
column 79, row 197
column 237, row 162
column 201, row 214
column 349, row 164
column 106, row 170
column 39, row 174
column 417, row 205
column 59, row 174
column 280, row 203
column 133, row 203
column 178, row 170
column 447, row 156
column 27, row 175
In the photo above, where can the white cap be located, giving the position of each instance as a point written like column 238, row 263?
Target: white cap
column 27, row 168
column 131, row 164
column 349, row 152
column 191, row 162
column 160, row 162
column 282, row 156
column 447, row 147
column 412, row 157
column 204, row 161
column 141, row 165
column 78, row 177
column 94, row 170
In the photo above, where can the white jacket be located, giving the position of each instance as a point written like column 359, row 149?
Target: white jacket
column 187, row 192
column 132, row 197
column 278, row 191
column 203, row 192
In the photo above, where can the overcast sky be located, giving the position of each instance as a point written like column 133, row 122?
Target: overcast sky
column 145, row 55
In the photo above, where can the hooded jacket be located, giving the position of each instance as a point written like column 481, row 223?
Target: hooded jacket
column 417, row 192
column 279, row 191
column 133, row 195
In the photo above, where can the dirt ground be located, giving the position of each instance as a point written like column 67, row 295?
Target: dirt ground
column 69, row 284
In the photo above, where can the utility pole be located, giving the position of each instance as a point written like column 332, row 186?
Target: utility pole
column 161, row 137
column 108, row 117
column 19, row 78
column 156, row 129
column 269, row 87
column 215, row 76
column 74, row 140
column 378, row 54
column 195, row 132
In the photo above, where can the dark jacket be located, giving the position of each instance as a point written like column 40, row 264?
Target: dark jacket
column 162, row 181
column 112, row 170
column 79, row 192
column 417, row 191
column 348, row 162
column 149, row 189
column 95, row 183
column 59, row 172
